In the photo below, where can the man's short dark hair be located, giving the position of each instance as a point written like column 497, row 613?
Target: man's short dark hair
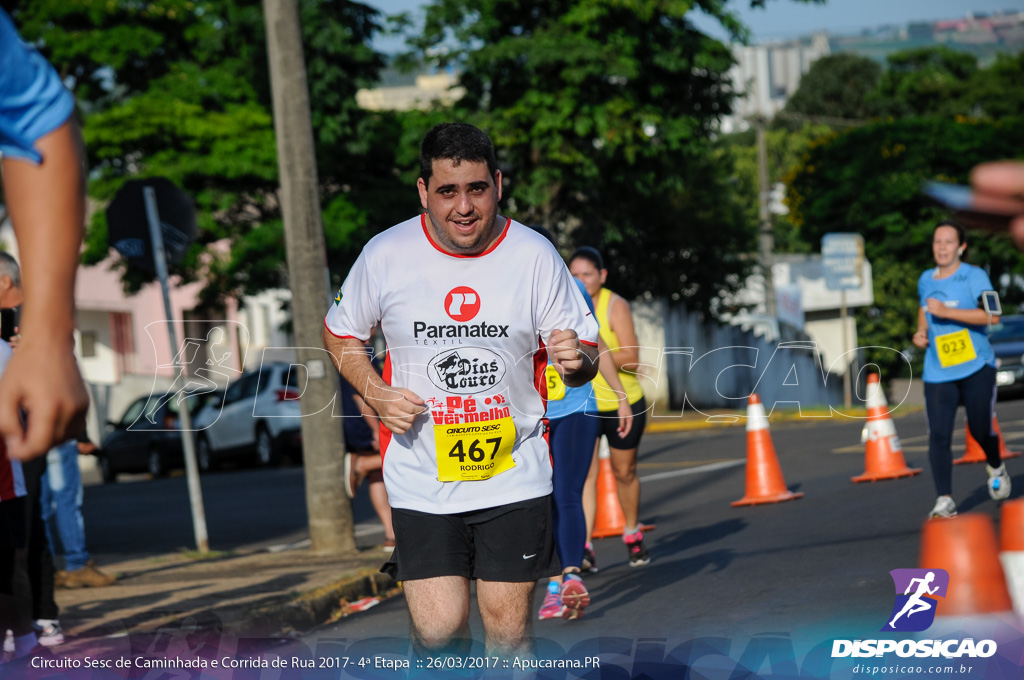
column 456, row 142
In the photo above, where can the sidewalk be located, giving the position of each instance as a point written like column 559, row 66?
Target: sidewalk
column 257, row 594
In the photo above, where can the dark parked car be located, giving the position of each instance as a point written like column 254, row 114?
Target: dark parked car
column 1007, row 338
column 147, row 438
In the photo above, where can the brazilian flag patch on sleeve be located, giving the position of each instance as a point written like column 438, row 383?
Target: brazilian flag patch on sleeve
column 337, row 298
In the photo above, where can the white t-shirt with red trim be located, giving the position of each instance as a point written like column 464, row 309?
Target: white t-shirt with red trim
column 466, row 334
column 12, row 481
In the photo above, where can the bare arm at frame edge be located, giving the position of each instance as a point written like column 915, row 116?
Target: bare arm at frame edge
column 46, row 203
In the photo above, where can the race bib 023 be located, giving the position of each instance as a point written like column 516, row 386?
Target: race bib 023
column 474, row 451
column 955, row 348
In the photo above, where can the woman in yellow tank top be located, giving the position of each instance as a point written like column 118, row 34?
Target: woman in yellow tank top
column 618, row 333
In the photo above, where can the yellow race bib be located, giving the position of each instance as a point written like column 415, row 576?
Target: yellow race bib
column 556, row 388
column 474, row 451
column 955, row 348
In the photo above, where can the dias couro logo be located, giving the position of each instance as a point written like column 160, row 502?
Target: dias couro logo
column 462, row 303
column 467, row 370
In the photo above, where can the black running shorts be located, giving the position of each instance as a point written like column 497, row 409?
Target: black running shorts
column 510, row 543
column 610, row 426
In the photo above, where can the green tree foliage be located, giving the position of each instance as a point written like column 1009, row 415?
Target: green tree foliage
column 181, row 89
column 925, row 82
column 835, row 86
column 868, row 180
column 786, row 147
column 603, row 113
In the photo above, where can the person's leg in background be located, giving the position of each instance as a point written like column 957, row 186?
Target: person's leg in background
column 63, row 504
column 39, row 565
column 360, row 465
column 379, row 499
column 590, row 508
column 978, row 393
column 15, row 589
column 941, row 402
column 571, row 440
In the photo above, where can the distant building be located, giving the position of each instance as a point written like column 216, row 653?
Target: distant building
column 768, row 75
column 806, row 304
column 421, row 91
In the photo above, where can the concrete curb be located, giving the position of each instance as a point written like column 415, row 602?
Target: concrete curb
column 310, row 609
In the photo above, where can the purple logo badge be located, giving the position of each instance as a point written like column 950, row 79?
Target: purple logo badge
column 916, row 590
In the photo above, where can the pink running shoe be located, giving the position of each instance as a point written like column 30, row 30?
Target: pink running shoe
column 552, row 607
column 575, row 597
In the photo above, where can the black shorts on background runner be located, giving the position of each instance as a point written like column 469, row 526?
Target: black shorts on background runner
column 511, row 543
column 610, row 426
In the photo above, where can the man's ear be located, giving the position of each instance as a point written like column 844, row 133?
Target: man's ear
column 421, row 186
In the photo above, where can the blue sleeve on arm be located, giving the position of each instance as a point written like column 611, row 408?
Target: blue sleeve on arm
column 979, row 283
column 33, row 100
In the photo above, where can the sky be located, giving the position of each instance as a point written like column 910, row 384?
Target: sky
column 787, row 18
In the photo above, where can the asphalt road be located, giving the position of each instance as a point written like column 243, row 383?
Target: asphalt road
column 803, row 570
column 245, row 508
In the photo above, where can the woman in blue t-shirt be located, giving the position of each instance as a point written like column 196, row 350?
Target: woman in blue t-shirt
column 959, row 365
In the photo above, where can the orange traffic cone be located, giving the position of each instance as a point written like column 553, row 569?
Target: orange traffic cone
column 1011, row 546
column 965, row 546
column 975, row 454
column 883, row 455
column 609, row 520
column 765, row 483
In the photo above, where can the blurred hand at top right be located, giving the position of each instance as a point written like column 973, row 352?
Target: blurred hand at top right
column 1003, row 181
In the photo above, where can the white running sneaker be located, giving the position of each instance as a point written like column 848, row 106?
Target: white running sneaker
column 998, row 483
column 9, row 643
column 49, row 632
column 944, row 507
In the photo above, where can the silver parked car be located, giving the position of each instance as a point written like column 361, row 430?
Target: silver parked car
column 259, row 419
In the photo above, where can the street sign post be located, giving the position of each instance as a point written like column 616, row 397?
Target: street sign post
column 843, row 257
column 152, row 222
column 127, row 229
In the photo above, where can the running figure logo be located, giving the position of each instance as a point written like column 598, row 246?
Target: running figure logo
column 914, row 610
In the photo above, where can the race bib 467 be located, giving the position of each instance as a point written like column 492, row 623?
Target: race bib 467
column 474, row 451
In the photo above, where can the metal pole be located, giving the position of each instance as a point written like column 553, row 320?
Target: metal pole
column 766, row 234
column 847, row 397
column 195, row 491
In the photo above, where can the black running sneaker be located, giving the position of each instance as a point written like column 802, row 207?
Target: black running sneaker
column 638, row 555
column 589, row 559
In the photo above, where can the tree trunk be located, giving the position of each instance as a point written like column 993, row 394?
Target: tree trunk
column 330, row 513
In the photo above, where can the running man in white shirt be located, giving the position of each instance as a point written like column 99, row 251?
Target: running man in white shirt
column 471, row 305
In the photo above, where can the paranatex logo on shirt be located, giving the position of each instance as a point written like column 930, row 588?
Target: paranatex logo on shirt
column 467, row 370
column 462, row 303
column 914, row 611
